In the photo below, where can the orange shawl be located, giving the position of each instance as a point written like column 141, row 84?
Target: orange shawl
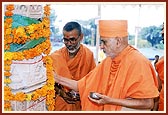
column 74, row 68
column 160, row 69
column 129, row 75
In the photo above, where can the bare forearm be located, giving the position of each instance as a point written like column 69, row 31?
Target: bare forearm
column 133, row 103
column 72, row 84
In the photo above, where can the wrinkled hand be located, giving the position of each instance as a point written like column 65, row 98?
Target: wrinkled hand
column 103, row 99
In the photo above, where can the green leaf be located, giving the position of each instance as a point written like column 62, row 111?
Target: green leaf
column 28, row 45
column 19, row 20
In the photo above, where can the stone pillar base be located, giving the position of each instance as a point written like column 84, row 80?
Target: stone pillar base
column 38, row 105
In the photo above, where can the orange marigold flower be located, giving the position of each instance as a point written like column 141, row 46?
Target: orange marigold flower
column 47, row 13
column 8, row 13
column 7, row 73
column 9, row 20
column 7, row 104
column 7, row 68
column 8, row 31
column 10, row 7
column 7, row 47
column 51, row 108
column 47, row 8
column 7, row 81
column 8, row 95
column 9, row 39
column 35, row 96
column 7, row 62
column 20, row 96
column 7, row 88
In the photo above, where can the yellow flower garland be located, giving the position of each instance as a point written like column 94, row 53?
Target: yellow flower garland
column 19, row 36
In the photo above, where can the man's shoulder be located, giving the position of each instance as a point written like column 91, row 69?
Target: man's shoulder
column 136, row 56
column 59, row 51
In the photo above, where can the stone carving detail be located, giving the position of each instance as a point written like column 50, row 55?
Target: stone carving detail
column 39, row 105
column 27, row 76
column 32, row 11
column 35, row 11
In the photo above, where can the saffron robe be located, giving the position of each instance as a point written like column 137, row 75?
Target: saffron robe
column 74, row 68
column 129, row 75
column 160, row 70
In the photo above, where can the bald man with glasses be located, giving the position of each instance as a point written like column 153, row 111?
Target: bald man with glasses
column 73, row 61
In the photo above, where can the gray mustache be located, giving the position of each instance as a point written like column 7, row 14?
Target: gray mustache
column 70, row 47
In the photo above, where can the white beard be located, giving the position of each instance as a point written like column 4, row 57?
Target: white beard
column 74, row 50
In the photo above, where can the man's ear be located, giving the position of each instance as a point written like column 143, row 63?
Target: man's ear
column 119, row 41
column 81, row 37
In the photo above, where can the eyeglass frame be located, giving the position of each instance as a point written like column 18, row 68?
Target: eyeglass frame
column 103, row 42
column 71, row 40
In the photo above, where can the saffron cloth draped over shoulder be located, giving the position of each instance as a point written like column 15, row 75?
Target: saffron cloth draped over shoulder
column 74, row 68
column 127, row 75
column 134, row 79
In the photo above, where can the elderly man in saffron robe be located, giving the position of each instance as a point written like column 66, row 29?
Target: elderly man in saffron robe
column 73, row 61
column 124, row 80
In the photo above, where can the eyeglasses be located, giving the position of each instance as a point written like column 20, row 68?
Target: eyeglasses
column 71, row 40
column 103, row 42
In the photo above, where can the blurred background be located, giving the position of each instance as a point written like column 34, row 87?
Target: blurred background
column 144, row 24
column 145, row 21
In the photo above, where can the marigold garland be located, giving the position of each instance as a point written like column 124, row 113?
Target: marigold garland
column 20, row 35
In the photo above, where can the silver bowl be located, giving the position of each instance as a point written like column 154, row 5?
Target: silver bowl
column 94, row 96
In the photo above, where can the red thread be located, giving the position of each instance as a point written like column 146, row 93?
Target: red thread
column 27, row 63
column 38, row 101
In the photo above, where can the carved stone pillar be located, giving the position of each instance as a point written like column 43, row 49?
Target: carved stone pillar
column 35, row 11
column 32, row 11
column 27, row 76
